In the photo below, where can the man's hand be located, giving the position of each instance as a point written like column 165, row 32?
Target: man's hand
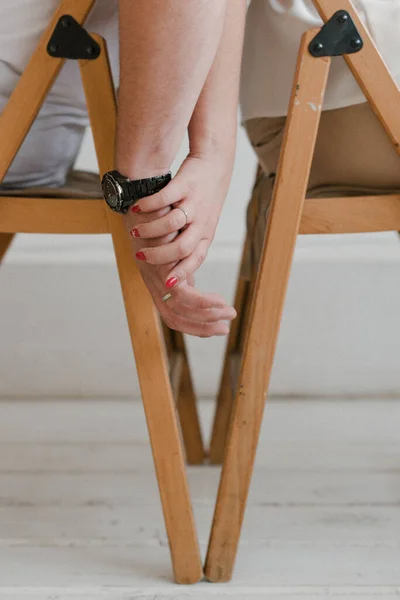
column 201, row 185
column 188, row 310
column 157, row 104
column 199, row 190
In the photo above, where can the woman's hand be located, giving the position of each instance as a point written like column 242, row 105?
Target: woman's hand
column 194, row 198
column 188, row 310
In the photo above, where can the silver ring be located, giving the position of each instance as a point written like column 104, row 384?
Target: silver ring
column 185, row 213
column 167, row 297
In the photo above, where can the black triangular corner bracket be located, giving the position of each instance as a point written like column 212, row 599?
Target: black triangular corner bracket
column 338, row 36
column 70, row 40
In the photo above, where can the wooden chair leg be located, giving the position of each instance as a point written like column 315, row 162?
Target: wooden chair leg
column 187, row 406
column 263, row 328
column 147, row 343
column 5, row 242
column 160, row 411
column 185, row 398
column 225, row 398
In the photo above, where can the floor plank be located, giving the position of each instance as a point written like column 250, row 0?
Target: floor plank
column 142, row 525
column 360, row 421
column 134, row 488
column 202, row 591
column 80, row 515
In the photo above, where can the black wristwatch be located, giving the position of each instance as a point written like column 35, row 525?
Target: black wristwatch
column 120, row 192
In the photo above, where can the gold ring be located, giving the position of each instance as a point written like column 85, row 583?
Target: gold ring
column 166, row 297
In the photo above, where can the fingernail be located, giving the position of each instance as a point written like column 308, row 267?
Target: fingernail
column 140, row 256
column 171, row 282
column 136, row 209
column 135, row 233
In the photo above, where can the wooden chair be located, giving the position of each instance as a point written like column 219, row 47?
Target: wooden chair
column 239, row 422
column 90, row 216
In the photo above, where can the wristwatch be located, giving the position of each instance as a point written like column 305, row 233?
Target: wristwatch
column 120, row 192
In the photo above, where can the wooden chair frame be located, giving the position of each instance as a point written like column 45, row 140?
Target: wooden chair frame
column 237, row 424
column 55, row 215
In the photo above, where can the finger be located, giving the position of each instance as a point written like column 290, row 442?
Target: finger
column 188, row 266
column 132, row 220
column 140, row 256
column 179, row 249
column 185, row 318
column 170, row 223
column 162, row 241
column 174, row 192
column 207, row 315
column 200, row 329
column 188, row 302
column 198, row 322
column 193, row 297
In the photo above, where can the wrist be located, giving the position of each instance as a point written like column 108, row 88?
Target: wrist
column 208, row 143
column 143, row 159
column 135, row 170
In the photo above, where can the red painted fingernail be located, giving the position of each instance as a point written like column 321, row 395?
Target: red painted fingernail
column 171, row 282
column 136, row 209
column 140, row 256
column 135, row 233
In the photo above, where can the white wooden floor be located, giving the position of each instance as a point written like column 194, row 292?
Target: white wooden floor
column 80, row 516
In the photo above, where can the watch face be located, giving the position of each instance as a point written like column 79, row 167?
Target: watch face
column 112, row 192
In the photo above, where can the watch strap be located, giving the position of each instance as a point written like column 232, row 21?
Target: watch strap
column 140, row 188
column 151, row 185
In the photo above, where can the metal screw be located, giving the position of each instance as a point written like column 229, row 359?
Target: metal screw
column 343, row 18
column 355, row 43
column 65, row 22
column 53, row 48
column 318, row 47
column 90, row 50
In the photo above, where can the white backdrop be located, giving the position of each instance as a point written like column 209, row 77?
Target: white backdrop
column 64, row 331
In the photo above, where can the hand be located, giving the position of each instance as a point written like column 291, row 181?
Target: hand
column 199, row 190
column 189, row 311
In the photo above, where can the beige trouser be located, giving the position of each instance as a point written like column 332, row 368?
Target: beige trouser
column 353, row 156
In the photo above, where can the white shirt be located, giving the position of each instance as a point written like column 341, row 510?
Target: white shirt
column 273, row 32
column 53, row 142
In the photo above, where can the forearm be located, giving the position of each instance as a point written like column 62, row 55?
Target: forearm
column 214, row 123
column 167, row 50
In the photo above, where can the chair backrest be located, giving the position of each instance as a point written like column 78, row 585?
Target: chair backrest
column 369, row 70
column 59, row 214
column 34, row 84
